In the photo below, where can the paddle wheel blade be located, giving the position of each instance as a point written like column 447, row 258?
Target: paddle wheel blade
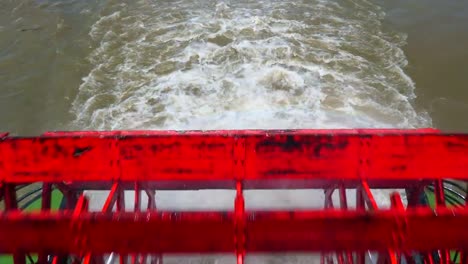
column 428, row 225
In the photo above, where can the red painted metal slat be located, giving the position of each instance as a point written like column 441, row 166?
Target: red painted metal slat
column 210, row 232
column 131, row 233
column 177, row 157
column 210, row 158
column 59, row 159
column 144, row 161
column 429, row 156
column 302, row 156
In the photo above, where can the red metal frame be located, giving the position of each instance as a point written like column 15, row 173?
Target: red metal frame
column 148, row 160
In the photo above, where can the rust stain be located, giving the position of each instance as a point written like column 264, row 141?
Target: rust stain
column 161, row 147
column 59, row 149
column 450, row 144
column 330, row 145
column 291, row 143
column 45, row 150
column 286, row 143
column 80, row 151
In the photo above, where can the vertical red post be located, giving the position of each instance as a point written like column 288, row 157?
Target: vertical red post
column 360, row 206
column 239, row 225
column 151, row 206
column 364, row 197
column 368, row 196
column 413, row 195
column 111, row 198
column 239, row 153
column 328, row 204
column 82, row 205
column 136, row 208
column 120, row 199
column 137, row 205
column 439, row 193
column 120, row 196
column 344, row 206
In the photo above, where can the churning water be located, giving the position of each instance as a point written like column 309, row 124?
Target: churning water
column 245, row 64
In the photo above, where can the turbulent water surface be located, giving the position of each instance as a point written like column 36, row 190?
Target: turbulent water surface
column 245, row 64
column 205, row 65
column 212, row 64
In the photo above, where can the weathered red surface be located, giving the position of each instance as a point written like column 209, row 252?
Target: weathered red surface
column 148, row 160
column 226, row 156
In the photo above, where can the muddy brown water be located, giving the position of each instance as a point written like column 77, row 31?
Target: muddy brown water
column 249, row 64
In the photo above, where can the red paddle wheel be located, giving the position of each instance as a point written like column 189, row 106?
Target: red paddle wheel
column 409, row 231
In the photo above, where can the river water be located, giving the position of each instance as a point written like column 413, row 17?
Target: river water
column 222, row 64
column 210, row 64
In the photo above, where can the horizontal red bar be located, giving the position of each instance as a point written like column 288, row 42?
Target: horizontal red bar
column 255, row 157
column 212, row 232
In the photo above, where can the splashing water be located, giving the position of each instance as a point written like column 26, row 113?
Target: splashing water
column 245, row 64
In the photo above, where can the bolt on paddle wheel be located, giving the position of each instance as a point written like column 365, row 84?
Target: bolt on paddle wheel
column 428, row 226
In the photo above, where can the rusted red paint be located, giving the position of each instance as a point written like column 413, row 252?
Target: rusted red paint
column 270, row 156
column 149, row 160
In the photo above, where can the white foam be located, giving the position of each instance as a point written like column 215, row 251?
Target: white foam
column 265, row 73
